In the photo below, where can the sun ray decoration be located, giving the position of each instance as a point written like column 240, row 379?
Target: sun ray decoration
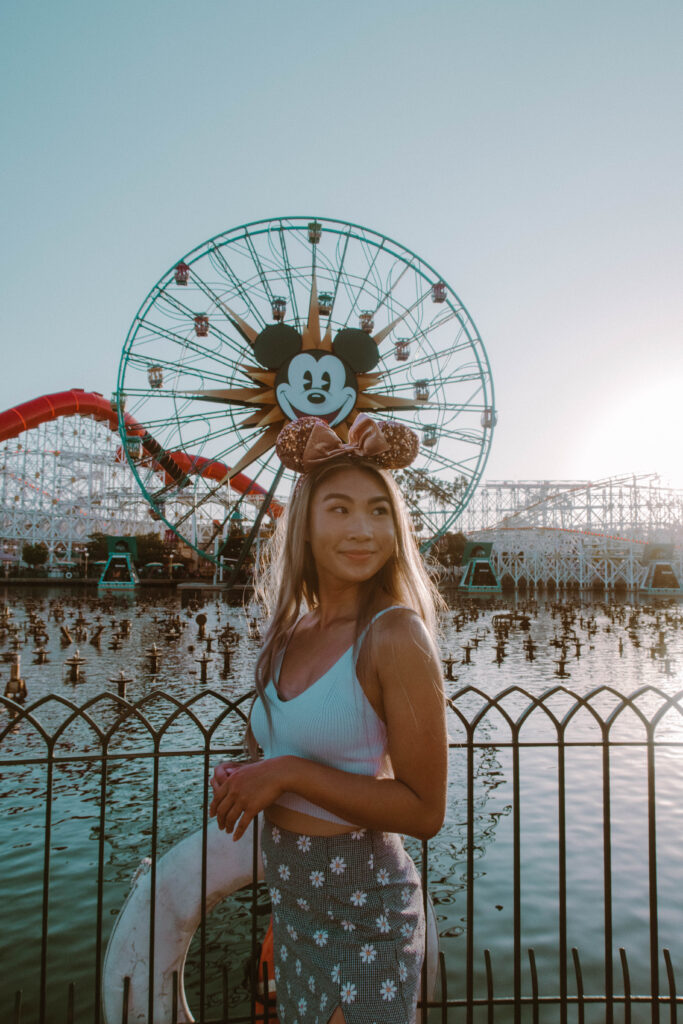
column 291, row 317
column 270, row 415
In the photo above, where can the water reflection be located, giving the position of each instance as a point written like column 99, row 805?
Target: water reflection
column 500, row 692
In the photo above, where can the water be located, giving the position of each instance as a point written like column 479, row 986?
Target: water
column 649, row 656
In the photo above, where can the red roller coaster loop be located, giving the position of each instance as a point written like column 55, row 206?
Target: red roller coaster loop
column 176, row 465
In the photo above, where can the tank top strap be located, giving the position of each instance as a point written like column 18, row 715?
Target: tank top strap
column 374, row 618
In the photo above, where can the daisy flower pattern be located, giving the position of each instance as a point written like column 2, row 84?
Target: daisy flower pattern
column 331, row 894
column 383, row 924
column 368, row 953
column 388, row 989
column 348, row 992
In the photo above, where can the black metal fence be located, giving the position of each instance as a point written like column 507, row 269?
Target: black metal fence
column 570, row 802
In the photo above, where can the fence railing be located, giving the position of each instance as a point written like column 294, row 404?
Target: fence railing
column 565, row 808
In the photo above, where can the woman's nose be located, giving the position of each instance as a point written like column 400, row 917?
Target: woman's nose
column 360, row 526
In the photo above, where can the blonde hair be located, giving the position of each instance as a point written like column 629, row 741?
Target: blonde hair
column 286, row 577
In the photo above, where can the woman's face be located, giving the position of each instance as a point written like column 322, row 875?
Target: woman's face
column 350, row 526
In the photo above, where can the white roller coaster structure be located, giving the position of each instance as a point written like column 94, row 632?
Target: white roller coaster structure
column 577, row 532
column 65, row 478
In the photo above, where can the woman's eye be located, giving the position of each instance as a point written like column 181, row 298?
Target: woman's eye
column 381, row 510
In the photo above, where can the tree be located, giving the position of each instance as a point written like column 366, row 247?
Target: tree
column 150, row 548
column 448, row 549
column 416, row 483
column 97, row 547
column 34, row 554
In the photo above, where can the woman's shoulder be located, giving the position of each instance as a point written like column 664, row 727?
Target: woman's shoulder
column 399, row 624
column 404, row 650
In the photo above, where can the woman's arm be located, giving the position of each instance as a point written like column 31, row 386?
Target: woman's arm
column 414, row 801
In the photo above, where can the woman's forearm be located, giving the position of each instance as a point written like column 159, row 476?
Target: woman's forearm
column 378, row 803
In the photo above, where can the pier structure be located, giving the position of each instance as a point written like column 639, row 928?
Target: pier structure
column 577, row 533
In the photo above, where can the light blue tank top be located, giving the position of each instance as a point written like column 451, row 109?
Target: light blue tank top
column 331, row 722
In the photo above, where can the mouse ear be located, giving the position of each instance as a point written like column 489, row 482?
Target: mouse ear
column 292, row 440
column 276, row 344
column 356, row 348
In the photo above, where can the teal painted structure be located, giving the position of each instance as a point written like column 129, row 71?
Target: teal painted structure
column 119, row 572
column 662, row 579
column 479, row 576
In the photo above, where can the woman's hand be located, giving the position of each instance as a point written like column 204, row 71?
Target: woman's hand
column 221, row 772
column 241, row 791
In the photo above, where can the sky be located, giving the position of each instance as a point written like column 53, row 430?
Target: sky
column 530, row 151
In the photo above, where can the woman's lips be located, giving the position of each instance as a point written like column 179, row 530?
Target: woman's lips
column 357, row 556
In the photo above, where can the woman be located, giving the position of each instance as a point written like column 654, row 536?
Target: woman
column 350, row 716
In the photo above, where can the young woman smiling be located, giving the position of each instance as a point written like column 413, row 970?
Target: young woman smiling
column 350, row 716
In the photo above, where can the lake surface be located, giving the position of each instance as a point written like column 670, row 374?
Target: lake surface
column 615, row 650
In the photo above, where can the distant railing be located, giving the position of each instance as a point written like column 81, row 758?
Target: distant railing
column 130, row 770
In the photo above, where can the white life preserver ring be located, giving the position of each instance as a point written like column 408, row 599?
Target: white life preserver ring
column 177, row 917
column 68, row 575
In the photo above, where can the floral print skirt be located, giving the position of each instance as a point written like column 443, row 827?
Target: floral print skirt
column 348, row 926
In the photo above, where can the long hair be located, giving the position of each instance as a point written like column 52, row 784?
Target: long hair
column 286, row 578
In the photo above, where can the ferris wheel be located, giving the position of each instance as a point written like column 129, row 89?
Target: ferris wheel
column 288, row 317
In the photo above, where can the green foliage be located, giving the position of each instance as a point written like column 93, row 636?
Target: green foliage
column 150, row 548
column 448, row 549
column 34, row 554
column 97, row 547
column 417, row 483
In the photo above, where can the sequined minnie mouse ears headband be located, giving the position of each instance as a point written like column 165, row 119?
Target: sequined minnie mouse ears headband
column 307, row 442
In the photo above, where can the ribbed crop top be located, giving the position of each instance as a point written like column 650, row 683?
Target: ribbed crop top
column 331, row 722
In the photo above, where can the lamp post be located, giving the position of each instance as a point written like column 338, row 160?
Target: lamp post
column 84, row 555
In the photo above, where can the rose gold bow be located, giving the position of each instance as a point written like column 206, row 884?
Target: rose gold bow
column 365, row 439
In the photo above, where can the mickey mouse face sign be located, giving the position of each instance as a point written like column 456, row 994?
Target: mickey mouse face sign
column 318, row 384
column 305, row 374
column 315, row 382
